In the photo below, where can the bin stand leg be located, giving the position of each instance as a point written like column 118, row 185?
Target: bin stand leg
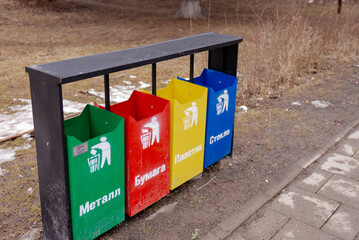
column 191, row 67
column 231, row 153
column 107, row 91
column 154, row 76
column 51, row 150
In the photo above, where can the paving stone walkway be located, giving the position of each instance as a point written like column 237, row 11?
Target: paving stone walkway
column 321, row 203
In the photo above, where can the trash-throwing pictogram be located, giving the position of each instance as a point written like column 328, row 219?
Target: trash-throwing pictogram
column 101, row 153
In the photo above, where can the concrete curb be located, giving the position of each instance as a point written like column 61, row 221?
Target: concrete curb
column 227, row 227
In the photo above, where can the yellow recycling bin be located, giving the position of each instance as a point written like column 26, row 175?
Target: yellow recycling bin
column 188, row 124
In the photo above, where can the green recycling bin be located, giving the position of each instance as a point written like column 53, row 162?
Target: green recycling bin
column 95, row 147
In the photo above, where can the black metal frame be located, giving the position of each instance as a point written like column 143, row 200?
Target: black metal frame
column 46, row 82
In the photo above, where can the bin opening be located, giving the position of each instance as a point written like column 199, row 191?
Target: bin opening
column 213, row 79
column 91, row 123
column 139, row 106
column 179, row 91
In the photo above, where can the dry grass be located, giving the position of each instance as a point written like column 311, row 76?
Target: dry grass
column 295, row 40
column 344, row 42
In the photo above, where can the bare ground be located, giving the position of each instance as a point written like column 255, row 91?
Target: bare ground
column 270, row 138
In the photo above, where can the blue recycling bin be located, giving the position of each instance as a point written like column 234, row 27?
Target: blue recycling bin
column 221, row 103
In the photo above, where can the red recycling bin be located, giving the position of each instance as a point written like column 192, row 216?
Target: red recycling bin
column 147, row 149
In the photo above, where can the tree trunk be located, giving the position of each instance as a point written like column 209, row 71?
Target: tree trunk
column 189, row 9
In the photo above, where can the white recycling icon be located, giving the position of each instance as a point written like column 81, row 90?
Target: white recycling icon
column 191, row 116
column 222, row 104
column 101, row 153
column 150, row 133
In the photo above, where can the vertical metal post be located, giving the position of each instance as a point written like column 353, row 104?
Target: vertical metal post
column 107, row 91
column 191, row 67
column 154, row 76
column 224, row 60
column 231, row 153
column 47, row 109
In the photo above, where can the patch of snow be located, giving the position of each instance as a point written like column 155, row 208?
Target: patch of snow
column 348, row 149
column 289, row 235
column 27, row 136
column 287, row 199
column 26, row 146
column 296, row 104
column 325, row 209
column 72, row 107
column 8, row 154
column 166, row 81
column 21, row 120
column 116, row 95
column 18, row 122
column 344, row 187
column 339, row 164
column 321, row 104
column 132, row 76
column 143, row 84
column 315, row 179
column 354, row 135
column 127, row 82
column 340, row 220
column 30, row 190
column 119, row 93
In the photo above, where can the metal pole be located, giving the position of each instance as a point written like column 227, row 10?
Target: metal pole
column 107, row 91
column 154, row 79
column 51, row 150
column 191, row 67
